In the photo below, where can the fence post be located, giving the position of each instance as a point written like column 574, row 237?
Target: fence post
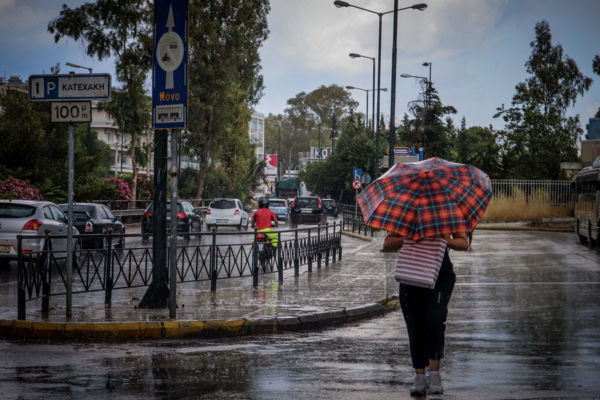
column 108, row 270
column 333, row 247
column 590, row 240
column 309, row 252
column 255, row 259
column 21, row 280
column 45, row 266
column 319, row 246
column 327, row 244
column 213, row 261
column 340, row 248
column 296, row 258
column 279, row 259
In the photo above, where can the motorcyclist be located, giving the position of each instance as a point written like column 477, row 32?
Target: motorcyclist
column 261, row 220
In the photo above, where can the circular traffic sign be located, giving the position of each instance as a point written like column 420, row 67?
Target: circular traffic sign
column 356, row 184
column 169, row 51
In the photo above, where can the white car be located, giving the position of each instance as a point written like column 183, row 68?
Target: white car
column 227, row 212
column 30, row 219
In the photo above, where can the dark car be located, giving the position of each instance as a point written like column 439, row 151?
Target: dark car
column 188, row 219
column 90, row 218
column 306, row 210
column 331, row 207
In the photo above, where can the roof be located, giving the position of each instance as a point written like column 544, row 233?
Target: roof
column 27, row 202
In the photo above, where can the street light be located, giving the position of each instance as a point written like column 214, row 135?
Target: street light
column 367, row 91
column 78, row 66
column 353, row 56
column 421, row 7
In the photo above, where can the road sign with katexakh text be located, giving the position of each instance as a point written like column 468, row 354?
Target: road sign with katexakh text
column 170, row 68
column 67, row 87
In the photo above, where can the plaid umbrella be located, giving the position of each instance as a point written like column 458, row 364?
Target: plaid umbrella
column 426, row 198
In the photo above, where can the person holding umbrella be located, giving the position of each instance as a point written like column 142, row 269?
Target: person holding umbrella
column 429, row 199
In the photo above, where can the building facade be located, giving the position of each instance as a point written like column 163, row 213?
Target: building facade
column 257, row 139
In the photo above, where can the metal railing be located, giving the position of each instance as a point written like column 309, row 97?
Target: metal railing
column 143, row 204
column 42, row 274
column 553, row 193
column 352, row 221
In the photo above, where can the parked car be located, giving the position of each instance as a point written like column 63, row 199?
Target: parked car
column 30, row 219
column 189, row 219
column 307, row 209
column 280, row 209
column 331, row 207
column 91, row 218
column 227, row 212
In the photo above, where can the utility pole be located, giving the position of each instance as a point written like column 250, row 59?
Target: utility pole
column 393, row 105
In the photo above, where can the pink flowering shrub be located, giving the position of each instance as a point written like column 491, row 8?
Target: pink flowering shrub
column 12, row 188
column 122, row 191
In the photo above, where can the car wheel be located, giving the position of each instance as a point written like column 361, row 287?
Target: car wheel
column 239, row 227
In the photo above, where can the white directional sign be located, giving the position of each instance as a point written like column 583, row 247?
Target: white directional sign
column 69, row 87
column 71, row 111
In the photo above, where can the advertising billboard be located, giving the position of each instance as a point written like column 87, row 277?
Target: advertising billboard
column 271, row 167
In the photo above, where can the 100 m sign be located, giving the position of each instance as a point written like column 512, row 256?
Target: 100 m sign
column 71, row 111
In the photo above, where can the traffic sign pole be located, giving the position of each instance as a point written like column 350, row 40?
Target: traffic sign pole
column 173, row 247
column 70, row 222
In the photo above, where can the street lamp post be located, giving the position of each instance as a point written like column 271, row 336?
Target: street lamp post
column 367, row 92
column 428, row 64
column 421, row 7
column 354, row 55
column 427, row 103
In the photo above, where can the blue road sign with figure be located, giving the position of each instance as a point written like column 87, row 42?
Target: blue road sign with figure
column 67, row 87
column 170, row 68
column 357, row 174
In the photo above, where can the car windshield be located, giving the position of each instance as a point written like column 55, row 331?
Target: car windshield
column 307, row 202
column 329, row 203
column 8, row 210
column 179, row 207
column 277, row 204
column 222, row 204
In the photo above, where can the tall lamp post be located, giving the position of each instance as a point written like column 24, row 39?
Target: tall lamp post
column 427, row 104
column 428, row 64
column 421, row 7
column 367, row 92
column 354, row 55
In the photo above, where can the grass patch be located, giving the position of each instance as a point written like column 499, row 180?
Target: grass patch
column 520, row 206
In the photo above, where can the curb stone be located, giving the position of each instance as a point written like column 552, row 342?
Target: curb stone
column 523, row 229
column 125, row 331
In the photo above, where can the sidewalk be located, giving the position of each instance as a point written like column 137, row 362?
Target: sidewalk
column 362, row 278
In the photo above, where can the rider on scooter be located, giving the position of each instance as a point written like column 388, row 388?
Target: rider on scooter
column 262, row 218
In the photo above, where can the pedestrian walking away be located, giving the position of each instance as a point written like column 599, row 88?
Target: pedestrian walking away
column 441, row 202
column 425, row 312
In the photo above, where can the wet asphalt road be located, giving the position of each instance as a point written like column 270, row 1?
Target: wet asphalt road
column 524, row 323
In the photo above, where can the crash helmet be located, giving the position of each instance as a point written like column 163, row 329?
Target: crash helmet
column 263, row 202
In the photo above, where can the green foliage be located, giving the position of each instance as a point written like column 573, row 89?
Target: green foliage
column 333, row 177
column 121, row 29
column 225, row 81
column 37, row 150
column 537, row 136
column 477, row 146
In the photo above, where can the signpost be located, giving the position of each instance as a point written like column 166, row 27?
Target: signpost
column 67, row 87
column 356, row 184
column 169, row 111
column 357, row 173
column 60, row 89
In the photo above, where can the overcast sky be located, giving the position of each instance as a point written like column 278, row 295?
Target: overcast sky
column 478, row 48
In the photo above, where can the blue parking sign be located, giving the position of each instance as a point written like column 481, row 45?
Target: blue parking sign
column 357, row 174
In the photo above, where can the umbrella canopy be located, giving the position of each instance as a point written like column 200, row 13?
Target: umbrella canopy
column 427, row 198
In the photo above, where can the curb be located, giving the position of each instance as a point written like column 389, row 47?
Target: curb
column 537, row 220
column 16, row 329
column 357, row 236
column 513, row 228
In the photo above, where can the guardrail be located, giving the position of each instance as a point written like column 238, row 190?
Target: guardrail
column 124, row 204
column 354, row 221
column 42, row 274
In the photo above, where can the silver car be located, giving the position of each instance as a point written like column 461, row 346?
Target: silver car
column 30, row 219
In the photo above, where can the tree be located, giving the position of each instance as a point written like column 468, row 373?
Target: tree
column 333, row 177
column 596, row 69
column 225, row 80
column 123, row 29
column 538, row 136
column 477, row 146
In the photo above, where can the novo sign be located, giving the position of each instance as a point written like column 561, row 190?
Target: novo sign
column 69, row 87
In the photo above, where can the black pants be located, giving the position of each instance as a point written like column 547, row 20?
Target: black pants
column 425, row 312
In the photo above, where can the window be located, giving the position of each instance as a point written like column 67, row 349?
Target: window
column 58, row 214
column 108, row 213
column 8, row 210
column 108, row 136
column 48, row 213
column 222, row 204
column 261, row 127
column 279, row 203
column 102, row 213
column 254, row 125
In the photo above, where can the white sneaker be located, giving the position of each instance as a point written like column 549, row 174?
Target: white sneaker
column 420, row 386
column 434, row 384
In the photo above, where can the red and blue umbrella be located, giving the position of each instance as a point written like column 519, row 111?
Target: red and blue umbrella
column 426, row 198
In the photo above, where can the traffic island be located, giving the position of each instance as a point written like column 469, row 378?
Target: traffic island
column 128, row 331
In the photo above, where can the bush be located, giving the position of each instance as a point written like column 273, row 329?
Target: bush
column 122, row 191
column 12, row 188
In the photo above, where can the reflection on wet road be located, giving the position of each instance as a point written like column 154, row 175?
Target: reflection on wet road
column 524, row 323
